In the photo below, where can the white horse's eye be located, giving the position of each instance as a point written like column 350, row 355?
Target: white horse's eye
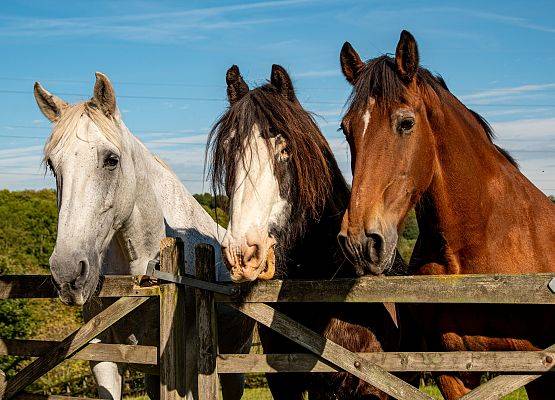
column 111, row 161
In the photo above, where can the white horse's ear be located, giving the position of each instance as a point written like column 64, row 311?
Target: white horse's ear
column 50, row 105
column 104, row 96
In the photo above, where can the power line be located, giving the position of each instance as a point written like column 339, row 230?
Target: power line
column 213, row 99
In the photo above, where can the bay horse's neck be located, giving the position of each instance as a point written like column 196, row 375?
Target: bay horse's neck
column 317, row 255
column 480, row 214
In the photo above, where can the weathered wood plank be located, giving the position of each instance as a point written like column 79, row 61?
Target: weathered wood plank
column 494, row 289
column 479, row 361
column 73, row 343
column 502, row 385
column 205, row 269
column 172, row 343
column 33, row 396
column 2, row 384
column 331, row 352
column 92, row 352
column 41, row 286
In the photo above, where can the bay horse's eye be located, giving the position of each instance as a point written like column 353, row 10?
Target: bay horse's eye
column 111, row 161
column 405, row 125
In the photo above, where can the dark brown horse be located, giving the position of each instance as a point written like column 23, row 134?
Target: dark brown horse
column 287, row 197
column 414, row 144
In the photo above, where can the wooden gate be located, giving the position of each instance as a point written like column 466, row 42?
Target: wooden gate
column 517, row 367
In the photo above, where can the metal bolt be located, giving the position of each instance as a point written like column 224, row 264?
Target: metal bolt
column 548, row 359
column 235, row 291
column 469, row 365
column 357, row 364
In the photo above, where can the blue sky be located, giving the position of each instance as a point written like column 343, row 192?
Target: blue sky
column 167, row 61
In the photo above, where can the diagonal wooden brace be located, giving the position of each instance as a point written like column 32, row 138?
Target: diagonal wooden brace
column 331, row 351
column 72, row 344
column 501, row 385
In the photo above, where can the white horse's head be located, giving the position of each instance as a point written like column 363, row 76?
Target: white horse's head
column 96, row 183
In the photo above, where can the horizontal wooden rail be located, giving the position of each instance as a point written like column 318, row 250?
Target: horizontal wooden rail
column 41, row 286
column 493, row 289
column 123, row 353
column 479, row 361
column 33, row 396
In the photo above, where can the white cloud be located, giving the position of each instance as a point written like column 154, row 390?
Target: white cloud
column 147, row 27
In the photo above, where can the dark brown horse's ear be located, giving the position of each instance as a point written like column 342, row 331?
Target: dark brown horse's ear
column 351, row 64
column 236, row 86
column 406, row 56
column 282, row 82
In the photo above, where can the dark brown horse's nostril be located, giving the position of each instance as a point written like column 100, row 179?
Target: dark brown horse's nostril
column 250, row 252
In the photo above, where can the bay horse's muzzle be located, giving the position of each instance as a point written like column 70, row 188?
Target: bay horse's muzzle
column 371, row 253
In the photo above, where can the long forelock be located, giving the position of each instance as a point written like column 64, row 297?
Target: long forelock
column 309, row 166
column 66, row 128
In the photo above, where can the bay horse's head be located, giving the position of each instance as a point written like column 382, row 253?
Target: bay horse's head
column 271, row 160
column 392, row 147
column 95, row 180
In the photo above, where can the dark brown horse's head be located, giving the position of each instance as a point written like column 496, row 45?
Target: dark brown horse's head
column 388, row 130
column 276, row 167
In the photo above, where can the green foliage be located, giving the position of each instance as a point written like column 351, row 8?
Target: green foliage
column 408, row 238
column 216, row 207
column 28, row 230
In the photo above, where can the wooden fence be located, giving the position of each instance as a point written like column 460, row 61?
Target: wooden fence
column 168, row 359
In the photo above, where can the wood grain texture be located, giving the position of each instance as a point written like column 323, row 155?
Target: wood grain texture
column 172, row 341
column 494, row 289
column 41, row 287
column 33, row 396
column 208, row 384
column 479, row 361
column 72, row 344
column 332, row 352
column 123, row 353
column 502, row 385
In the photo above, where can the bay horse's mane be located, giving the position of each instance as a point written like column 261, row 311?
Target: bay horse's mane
column 314, row 177
column 379, row 79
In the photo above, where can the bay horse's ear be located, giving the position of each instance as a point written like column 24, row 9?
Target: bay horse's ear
column 282, row 82
column 351, row 64
column 50, row 105
column 236, row 86
column 104, row 95
column 406, row 56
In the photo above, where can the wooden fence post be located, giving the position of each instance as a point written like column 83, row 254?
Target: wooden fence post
column 206, row 325
column 172, row 310
column 2, row 383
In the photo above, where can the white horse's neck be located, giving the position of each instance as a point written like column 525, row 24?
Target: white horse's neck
column 163, row 207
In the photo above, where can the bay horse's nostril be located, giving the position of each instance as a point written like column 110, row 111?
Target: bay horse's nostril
column 375, row 247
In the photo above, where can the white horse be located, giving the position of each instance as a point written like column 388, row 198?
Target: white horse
column 116, row 201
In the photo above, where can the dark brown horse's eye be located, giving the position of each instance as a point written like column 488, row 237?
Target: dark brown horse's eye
column 405, row 126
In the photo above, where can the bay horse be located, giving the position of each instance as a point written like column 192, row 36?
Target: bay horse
column 116, row 201
column 287, row 196
column 413, row 143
